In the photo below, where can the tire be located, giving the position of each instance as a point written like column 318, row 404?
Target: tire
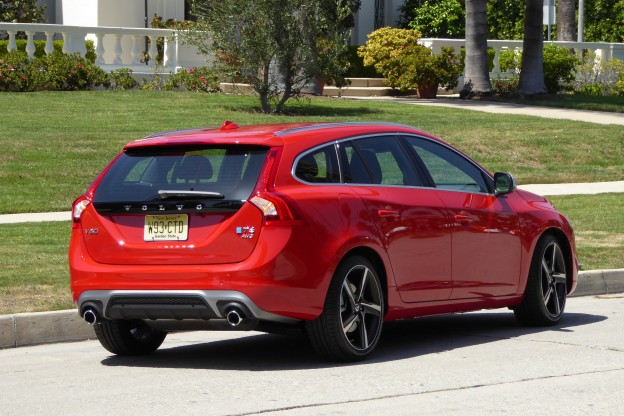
column 546, row 290
column 123, row 337
column 350, row 326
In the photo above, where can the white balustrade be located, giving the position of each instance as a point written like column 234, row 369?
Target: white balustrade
column 115, row 47
column 602, row 50
column 122, row 47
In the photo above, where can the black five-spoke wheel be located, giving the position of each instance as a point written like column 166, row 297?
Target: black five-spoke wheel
column 350, row 325
column 546, row 291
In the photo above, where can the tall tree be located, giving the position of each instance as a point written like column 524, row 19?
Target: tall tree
column 566, row 20
column 477, row 71
column 532, row 67
column 277, row 46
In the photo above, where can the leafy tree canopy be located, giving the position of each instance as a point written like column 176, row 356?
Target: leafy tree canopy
column 277, row 46
column 21, row 11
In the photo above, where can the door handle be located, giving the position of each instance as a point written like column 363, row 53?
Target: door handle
column 388, row 213
column 462, row 219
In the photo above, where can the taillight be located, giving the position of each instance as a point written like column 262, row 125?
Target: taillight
column 272, row 205
column 78, row 208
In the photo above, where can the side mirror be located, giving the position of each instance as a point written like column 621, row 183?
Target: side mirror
column 504, row 183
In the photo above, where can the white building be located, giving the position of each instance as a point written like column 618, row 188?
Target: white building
column 133, row 13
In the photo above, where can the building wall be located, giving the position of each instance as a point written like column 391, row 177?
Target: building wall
column 113, row 13
column 365, row 18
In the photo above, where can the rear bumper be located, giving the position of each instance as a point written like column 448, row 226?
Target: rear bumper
column 172, row 304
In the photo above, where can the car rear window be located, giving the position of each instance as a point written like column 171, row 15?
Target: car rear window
column 139, row 174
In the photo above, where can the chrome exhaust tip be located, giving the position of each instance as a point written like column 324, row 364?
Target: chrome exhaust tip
column 234, row 317
column 90, row 317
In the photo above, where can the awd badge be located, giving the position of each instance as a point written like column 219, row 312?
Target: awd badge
column 246, row 232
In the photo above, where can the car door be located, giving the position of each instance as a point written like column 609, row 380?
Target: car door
column 411, row 219
column 486, row 246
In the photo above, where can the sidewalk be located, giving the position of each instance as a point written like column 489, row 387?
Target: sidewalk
column 598, row 117
column 540, row 189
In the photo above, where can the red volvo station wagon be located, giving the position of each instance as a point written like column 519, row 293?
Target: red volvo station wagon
column 328, row 229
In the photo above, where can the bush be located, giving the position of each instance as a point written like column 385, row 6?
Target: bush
column 599, row 76
column 122, row 79
column 559, row 66
column 505, row 86
column 200, row 79
column 396, row 54
column 357, row 69
column 40, row 48
column 18, row 74
column 70, row 72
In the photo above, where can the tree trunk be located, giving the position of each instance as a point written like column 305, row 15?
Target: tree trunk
column 477, row 72
column 566, row 20
column 532, row 68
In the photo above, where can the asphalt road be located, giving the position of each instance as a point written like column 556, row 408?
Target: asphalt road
column 471, row 364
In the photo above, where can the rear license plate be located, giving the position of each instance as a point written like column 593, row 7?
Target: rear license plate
column 165, row 228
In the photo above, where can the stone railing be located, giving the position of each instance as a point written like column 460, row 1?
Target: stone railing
column 602, row 50
column 115, row 47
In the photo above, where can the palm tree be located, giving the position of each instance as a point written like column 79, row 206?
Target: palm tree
column 566, row 19
column 532, row 68
column 477, row 72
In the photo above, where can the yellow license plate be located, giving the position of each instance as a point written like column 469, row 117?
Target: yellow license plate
column 166, row 228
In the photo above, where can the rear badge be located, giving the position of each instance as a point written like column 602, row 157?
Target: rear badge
column 246, row 232
column 92, row 231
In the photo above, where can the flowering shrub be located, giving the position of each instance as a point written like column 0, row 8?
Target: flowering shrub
column 70, row 72
column 17, row 73
column 201, row 79
column 505, row 86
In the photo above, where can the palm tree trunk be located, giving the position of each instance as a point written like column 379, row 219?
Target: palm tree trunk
column 566, row 20
column 532, row 68
column 477, row 71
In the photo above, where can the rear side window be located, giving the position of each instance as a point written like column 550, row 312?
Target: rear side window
column 319, row 166
column 139, row 174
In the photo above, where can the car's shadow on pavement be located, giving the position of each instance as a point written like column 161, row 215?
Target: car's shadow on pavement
column 400, row 340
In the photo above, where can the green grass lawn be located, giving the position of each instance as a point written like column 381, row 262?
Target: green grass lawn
column 612, row 104
column 54, row 143
column 598, row 222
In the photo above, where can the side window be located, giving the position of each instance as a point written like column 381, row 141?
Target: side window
column 448, row 169
column 378, row 160
column 319, row 166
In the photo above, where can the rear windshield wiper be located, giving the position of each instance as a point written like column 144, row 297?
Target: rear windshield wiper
column 181, row 194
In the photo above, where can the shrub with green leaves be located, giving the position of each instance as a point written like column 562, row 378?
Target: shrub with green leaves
column 18, row 74
column 40, row 48
column 200, row 79
column 559, row 66
column 70, row 72
column 504, row 86
column 396, row 54
column 122, row 79
column 597, row 76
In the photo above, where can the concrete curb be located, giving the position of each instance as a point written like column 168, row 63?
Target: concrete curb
column 24, row 329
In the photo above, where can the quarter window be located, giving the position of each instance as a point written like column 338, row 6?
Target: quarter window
column 448, row 169
column 319, row 166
